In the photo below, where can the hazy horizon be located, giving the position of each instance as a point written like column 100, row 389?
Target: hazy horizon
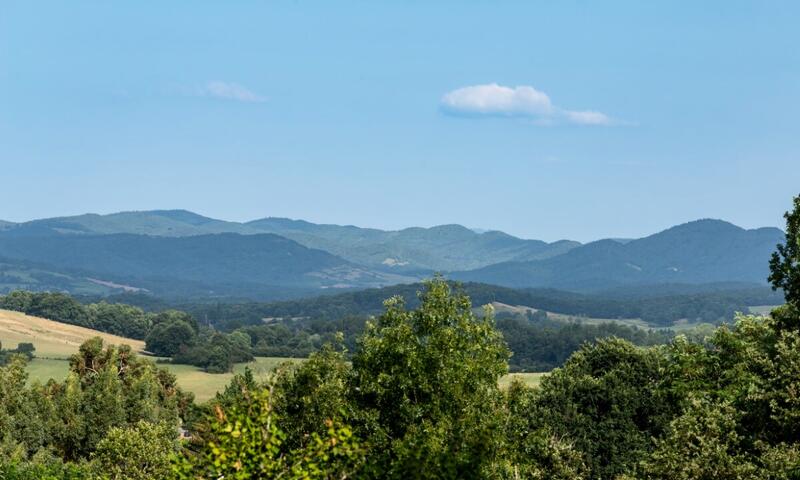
column 470, row 227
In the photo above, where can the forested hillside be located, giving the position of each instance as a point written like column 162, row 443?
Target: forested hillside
column 217, row 264
column 705, row 304
column 445, row 248
column 179, row 254
column 698, row 252
column 441, row 248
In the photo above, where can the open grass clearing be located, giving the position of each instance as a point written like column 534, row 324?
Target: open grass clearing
column 678, row 326
column 530, row 379
column 206, row 385
column 52, row 339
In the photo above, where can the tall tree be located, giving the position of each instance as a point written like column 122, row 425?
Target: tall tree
column 426, row 384
column 785, row 263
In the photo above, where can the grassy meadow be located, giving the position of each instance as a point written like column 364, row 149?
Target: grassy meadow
column 52, row 339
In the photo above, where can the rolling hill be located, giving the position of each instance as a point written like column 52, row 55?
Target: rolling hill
column 213, row 264
column 441, row 248
column 163, row 223
column 177, row 253
column 52, row 339
column 703, row 251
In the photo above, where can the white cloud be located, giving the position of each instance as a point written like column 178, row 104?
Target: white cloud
column 520, row 101
column 494, row 99
column 230, row 91
column 588, row 117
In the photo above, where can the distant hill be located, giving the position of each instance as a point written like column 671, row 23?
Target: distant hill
column 213, row 264
column 178, row 253
column 24, row 275
column 441, row 248
column 165, row 223
column 412, row 250
column 697, row 252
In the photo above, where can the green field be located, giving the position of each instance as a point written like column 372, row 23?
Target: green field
column 529, row 379
column 678, row 326
column 43, row 369
column 206, row 385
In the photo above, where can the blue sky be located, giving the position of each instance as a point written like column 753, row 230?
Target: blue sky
column 543, row 119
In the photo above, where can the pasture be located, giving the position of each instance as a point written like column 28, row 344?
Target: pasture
column 52, row 339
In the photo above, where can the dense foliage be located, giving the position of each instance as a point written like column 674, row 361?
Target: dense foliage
column 785, row 262
column 660, row 305
column 26, row 349
column 421, row 398
column 110, row 397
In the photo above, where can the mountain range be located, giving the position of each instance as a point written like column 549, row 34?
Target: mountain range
column 180, row 253
column 702, row 251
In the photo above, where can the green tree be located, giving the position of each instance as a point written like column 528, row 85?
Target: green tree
column 142, row 451
column 120, row 319
column 308, row 395
column 702, row 444
column 425, row 384
column 785, row 263
column 168, row 337
column 169, row 316
column 244, row 441
column 109, row 387
column 530, row 450
column 607, row 400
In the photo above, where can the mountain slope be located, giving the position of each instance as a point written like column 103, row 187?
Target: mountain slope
column 442, row 248
column 412, row 250
column 697, row 252
column 22, row 275
column 184, row 253
column 213, row 261
column 167, row 223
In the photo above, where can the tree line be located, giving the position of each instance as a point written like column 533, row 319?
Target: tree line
column 169, row 333
column 25, row 349
column 660, row 309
